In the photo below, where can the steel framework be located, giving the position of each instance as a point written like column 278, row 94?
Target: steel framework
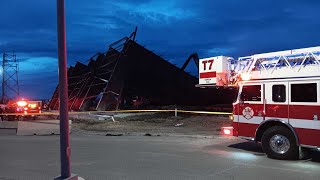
column 128, row 75
column 10, row 81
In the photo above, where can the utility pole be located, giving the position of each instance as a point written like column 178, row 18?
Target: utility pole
column 3, row 98
column 65, row 150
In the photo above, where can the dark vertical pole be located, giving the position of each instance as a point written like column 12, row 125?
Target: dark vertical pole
column 63, row 92
column 3, row 79
column 17, row 73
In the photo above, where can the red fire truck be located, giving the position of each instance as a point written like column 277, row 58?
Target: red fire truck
column 278, row 101
column 20, row 110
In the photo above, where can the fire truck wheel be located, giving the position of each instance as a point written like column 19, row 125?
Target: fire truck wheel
column 11, row 118
column 20, row 118
column 4, row 118
column 279, row 143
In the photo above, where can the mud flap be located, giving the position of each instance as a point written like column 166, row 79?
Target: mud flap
column 304, row 153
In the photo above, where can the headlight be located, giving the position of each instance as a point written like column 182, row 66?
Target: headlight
column 231, row 117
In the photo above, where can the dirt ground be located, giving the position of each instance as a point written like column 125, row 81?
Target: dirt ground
column 155, row 124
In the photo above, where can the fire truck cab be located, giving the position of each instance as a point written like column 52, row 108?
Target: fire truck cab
column 278, row 102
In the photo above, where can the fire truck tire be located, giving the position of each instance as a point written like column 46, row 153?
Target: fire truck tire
column 20, row 118
column 5, row 118
column 11, row 118
column 279, row 143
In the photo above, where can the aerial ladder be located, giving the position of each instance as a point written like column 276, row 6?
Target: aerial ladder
column 227, row 71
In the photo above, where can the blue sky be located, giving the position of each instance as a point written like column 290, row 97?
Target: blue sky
column 172, row 29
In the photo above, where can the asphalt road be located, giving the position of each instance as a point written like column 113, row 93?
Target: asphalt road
column 140, row 157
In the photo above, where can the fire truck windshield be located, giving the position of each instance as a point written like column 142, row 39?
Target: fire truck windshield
column 251, row 93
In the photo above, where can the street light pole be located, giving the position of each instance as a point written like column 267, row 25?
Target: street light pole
column 63, row 93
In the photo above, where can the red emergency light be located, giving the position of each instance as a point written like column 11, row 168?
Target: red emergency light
column 22, row 103
column 227, row 131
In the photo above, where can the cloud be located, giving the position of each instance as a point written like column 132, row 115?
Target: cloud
column 173, row 29
column 155, row 11
column 38, row 77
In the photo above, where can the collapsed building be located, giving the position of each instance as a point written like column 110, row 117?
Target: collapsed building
column 130, row 76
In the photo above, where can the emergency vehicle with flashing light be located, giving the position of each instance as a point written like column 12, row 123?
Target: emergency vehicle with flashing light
column 20, row 110
column 278, row 102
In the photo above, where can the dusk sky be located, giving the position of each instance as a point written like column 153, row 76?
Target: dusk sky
column 172, row 29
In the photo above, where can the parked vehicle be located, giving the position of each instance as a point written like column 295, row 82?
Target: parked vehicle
column 20, row 110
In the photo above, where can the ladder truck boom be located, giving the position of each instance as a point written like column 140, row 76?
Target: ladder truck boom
column 282, row 64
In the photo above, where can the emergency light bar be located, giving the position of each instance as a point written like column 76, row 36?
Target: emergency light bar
column 22, row 103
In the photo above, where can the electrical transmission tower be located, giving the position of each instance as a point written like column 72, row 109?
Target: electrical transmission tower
column 10, row 83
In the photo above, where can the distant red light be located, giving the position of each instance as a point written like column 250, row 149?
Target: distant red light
column 22, row 103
